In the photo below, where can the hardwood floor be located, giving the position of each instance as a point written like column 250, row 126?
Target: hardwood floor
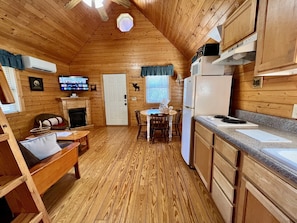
column 129, row 180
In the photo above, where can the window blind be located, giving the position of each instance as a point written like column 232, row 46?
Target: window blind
column 10, row 75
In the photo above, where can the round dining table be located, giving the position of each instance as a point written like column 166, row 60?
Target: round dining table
column 148, row 113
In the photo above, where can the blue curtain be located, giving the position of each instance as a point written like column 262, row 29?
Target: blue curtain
column 10, row 60
column 157, row 70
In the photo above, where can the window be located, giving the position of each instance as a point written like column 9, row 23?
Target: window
column 157, row 88
column 10, row 75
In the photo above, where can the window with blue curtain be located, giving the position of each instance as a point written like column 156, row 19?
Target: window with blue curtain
column 9, row 63
column 167, row 70
column 8, row 59
column 11, row 78
column 157, row 88
column 157, row 82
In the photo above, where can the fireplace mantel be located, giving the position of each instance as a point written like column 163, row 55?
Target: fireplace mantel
column 77, row 102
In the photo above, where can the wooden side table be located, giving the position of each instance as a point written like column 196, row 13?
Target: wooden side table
column 77, row 136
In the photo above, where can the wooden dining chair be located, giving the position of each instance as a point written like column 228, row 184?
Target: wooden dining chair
column 140, row 124
column 176, row 123
column 159, row 123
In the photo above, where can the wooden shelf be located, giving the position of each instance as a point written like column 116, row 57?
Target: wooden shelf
column 4, row 137
column 8, row 183
column 28, row 217
column 16, row 182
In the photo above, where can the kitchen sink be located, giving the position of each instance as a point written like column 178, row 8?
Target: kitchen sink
column 262, row 136
column 288, row 156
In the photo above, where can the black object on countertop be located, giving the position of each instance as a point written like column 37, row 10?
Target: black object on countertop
column 220, row 116
column 234, row 121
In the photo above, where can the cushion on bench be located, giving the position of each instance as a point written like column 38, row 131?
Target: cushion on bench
column 42, row 146
column 29, row 157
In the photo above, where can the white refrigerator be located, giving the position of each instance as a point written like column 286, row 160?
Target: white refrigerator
column 203, row 95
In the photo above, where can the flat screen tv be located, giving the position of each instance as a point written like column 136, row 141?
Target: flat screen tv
column 74, row 83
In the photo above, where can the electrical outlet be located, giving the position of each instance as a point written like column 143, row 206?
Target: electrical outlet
column 294, row 112
column 257, row 82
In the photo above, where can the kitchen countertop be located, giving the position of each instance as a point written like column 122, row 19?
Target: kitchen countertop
column 285, row 128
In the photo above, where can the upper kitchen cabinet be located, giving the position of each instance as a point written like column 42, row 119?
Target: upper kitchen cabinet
column 277, row 38
column 240, row 24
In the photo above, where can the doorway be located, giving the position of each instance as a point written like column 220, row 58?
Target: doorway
column 115, row 97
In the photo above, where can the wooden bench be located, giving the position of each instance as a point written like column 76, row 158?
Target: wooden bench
column 50, row 170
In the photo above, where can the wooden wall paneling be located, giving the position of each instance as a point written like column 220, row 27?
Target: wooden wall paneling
column 137, row 104
column 78, row 37
column 284, row 97
column 187, row 27
column 109, row 51
column 276, row 97
column 97, row 103
column 36, row 102
column 202, row 16
column 48, row 27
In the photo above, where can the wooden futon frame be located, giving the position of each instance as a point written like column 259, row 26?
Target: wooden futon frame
column 50, row 170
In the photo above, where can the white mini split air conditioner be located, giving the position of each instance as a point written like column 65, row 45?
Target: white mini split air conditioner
column 38, row 64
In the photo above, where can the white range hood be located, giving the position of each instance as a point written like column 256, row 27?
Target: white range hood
column 241, row 53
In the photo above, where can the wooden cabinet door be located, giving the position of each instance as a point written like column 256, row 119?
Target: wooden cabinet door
column 256, row 207
column 277, row 36
column 240, row 24
column 203, row 159
column 263, row 196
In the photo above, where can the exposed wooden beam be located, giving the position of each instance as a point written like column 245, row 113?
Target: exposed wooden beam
column 71, row 4
column 103, row 13
column 125, row 3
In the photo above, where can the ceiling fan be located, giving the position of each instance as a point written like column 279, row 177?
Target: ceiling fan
column 98, row 4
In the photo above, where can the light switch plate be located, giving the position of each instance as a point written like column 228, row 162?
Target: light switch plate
column 257, row 82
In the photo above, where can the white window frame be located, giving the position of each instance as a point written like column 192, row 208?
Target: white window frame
column 164, row 86
column 12, row 80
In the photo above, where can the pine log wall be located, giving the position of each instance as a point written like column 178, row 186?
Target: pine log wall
column 276, row 97
column 36, row 102
column 108, row 51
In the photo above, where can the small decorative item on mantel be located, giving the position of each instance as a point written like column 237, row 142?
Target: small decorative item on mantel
column 73, row 95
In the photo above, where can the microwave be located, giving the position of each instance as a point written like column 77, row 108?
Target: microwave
column 203, row 66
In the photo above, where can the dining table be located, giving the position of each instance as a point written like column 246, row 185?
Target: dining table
column 149, row 112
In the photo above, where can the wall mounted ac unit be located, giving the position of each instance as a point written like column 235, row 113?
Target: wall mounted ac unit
column 33, row 63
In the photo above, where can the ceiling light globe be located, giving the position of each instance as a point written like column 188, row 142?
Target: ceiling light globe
column 125, row 22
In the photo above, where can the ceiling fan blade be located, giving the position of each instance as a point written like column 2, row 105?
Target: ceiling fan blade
column 125, row 3
column 71, row 4
column 103, row 14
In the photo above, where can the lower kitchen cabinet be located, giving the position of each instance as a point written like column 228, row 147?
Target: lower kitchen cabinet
column 224, row 178
column 222, row 201
column 264, row 197
column 243, row 189
column 203, row 150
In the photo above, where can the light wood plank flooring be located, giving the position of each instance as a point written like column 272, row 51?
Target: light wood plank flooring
column 129, row 180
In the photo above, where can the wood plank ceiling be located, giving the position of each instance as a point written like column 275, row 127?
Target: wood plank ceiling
column 46, row 28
